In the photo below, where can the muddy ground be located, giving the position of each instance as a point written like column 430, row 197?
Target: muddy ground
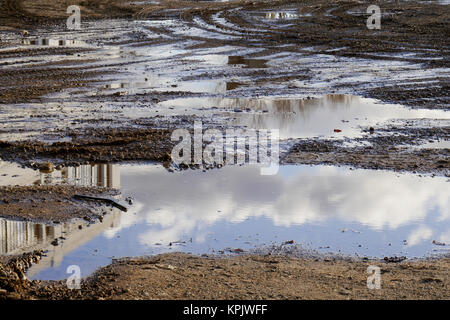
column 53, row 204
column 406, row 62
column 181, row 276
column 413, row 33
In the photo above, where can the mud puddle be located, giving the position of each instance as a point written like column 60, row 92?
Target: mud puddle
column 337, row 116
column 235, row 209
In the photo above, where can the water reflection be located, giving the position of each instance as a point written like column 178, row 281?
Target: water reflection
column 71, row 237
column 53, row 42
column 365, row 212
column 301, row 118
column 100, row 175
column 19, row 236
column 156, row 84
column 299, row 195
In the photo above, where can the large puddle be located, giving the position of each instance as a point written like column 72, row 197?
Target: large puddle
column 322, row 208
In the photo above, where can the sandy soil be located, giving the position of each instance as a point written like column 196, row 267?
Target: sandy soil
column 181, row 276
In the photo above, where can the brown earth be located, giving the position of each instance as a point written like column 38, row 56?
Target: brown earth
column 181, row 276
column 388, row 157
column 51, row 203
column 391, row 152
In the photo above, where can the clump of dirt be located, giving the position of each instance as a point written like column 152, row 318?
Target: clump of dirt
column 13, row 281
column 182, row 276
column 54, row 204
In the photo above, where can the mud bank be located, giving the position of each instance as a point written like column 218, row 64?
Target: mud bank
column 181, row 276
column 377, row 156
column 94, row 145
column 51, row 204
column 389, row 148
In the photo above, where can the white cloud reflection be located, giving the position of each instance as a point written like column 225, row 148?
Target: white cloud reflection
column 177, row 205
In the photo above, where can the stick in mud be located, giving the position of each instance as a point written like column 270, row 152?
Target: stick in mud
column 110, row 201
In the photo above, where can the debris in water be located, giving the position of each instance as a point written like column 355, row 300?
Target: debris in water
column 110, row 201
column 394, row 259
column 438, row 243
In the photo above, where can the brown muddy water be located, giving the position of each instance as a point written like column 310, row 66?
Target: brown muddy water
column 323, row 209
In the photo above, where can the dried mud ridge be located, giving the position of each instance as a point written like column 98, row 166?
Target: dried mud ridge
column 30, row 84
column 182, row 276
column 392, row 151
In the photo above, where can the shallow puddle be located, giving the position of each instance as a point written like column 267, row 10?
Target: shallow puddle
column 304, row 118
column 323, row 208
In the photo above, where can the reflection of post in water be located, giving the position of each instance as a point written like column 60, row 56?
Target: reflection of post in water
column 18, row 235
column 101, row 175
